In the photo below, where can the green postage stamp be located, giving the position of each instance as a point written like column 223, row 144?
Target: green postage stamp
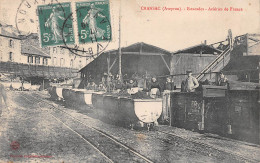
column 51, row 21
column 93, row 21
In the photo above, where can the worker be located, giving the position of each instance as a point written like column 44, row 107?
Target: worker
column 109, row 84
column 191, row 83
column 222, row 80
column 118, row 85
column 102, row 87
column 103, row 79
column 2, row 97
column 169, row 85
column 130, row 84
column 154, row 87
column 91, row 86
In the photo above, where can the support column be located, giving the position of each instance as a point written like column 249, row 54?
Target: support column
column 202, row 115
column 259, row 70
column 43, row 84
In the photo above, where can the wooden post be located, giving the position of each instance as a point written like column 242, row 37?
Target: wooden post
column 43, row 84
column 259, row 71
column 224, row 60
column 108, row 71
column 258, row 103
column 247, row 44
column 202, row 114
column 185, row 109
column 170, row 111
column 119, row 43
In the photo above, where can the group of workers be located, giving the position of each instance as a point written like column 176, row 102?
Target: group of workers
column 191, row 83
column 110, row 83
column 151, row 84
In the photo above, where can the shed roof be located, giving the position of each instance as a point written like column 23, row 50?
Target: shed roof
column 9, row 31
column 32, row 50
column 200, row 48
column 139, row 48
column 31, row 46
column 142, row 49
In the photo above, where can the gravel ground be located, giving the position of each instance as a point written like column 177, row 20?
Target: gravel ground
column 40, row 134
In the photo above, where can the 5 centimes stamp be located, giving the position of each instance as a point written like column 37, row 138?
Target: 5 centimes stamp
column 51, row 20
column 93, row 21
column 93, row 28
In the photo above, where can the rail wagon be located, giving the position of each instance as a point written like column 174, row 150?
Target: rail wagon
column 83, row 97
column 27, row 86
column 111, row 108
column 145, row 111
column 67, row 95
column 59, row 93
column 131, row 111
column 52, row 92
column 16, row 85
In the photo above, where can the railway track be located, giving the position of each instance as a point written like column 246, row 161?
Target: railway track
column 98, row 133
column 112, row 138
column 246, row 159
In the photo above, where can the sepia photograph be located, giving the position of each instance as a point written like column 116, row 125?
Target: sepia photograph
column 155, row 81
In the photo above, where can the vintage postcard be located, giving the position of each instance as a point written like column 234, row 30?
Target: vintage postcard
column 129, row 81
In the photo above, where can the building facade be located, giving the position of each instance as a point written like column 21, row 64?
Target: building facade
column 62, row 57
column 26, row 50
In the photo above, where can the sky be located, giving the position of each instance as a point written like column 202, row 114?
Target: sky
column 170, row 30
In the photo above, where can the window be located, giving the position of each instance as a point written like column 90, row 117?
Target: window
column 71, row 63
column 30, row 59
column 54, row 61
column 1, row 56
column 11, row 43
column 45, row 61
column 62, row 62
column 54, row 50
column 11, row 56
column 37, row 60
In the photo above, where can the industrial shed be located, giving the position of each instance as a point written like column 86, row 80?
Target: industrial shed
column 194, row 58
column 138, row 58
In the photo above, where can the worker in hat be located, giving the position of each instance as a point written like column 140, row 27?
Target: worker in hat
column 221, row 79
column 3, row 97
column 191, row 83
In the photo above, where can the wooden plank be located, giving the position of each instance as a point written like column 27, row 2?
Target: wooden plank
column 243, row 86
column 214, row 91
